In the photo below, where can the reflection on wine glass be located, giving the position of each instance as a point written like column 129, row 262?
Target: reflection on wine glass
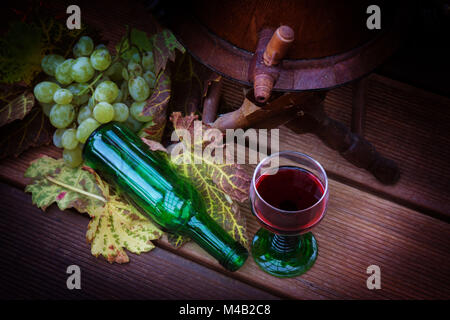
column 289, row 197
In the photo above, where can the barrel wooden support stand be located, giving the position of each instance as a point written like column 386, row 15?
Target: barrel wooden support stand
column 349, row 143
column 359, row 105
column 304, row 113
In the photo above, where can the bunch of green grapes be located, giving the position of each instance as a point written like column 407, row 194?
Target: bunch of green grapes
column 90, row 89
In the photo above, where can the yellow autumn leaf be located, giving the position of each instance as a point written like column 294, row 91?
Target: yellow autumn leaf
column 115, row 224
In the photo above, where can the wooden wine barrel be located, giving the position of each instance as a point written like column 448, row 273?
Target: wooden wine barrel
column 332, row 43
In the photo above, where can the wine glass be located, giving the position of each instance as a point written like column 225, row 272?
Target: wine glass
column 289, row 196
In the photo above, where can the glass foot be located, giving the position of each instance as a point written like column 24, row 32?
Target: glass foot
column 284, row 256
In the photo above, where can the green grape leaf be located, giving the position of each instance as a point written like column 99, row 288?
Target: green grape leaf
column 118, row 225
column 164, row 48
column 21, row 52
column 33, row 131
column 177, row 241
column 67, row 187
column 17, row 108
column 140, row 39
column 229, row 177
column 134, row 41
column 115, row 224
column 156, row 107
column 222, row 185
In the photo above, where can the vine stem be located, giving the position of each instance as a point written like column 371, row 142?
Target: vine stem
column 91, row 195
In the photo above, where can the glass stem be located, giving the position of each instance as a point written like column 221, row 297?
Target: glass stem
column 285, row 244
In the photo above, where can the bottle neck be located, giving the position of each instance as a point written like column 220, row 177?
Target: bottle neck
column 202, row 229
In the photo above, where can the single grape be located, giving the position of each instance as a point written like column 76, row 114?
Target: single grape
column 84, row 113
column 103, row 112
column 106, row 91
column 133, row 124
column 76, row 89
column 148, row 63
column 115, row 71
column 69, row 139
column 62, row 115
column 86, row 128
column 134, row 69
column 138, row 88
column 63, row 96
column 136, row 111
column 121, row 112
column 150, row 77
column 91, row 103
column 125, row 74
column 83, row 47
column 82, row 70
column 73, row 158
column 135, row 57
column 46, row 107
column 100, row 59
column 57, row 137
column 63, row 72
column 45, row 90
column 50, row 62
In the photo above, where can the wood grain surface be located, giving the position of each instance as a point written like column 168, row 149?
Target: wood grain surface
column 345, row 26
column 366, row 223
column 38, row 247
column 359, row 229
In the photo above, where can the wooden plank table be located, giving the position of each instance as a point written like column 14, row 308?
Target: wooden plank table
column 404, row 229
column 366, row 223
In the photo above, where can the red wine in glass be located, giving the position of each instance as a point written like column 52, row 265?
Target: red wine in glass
column 290, row 190
column 288, row 197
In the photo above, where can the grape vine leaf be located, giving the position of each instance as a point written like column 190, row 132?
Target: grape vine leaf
column 222, row 185
column 29, row 40
column 190, row 83
column 134, row 41
column 21, row 52
column 115, row 224
column 140, row 39
column 154, row 145
column 9, row 92
column 34, row 130
column 48, row 179
column 18, row 108
column 164, row 48
column 156, row 107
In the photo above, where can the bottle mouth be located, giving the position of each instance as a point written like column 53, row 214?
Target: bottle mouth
column 235, row 258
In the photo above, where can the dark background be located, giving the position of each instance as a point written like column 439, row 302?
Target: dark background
column 424, row 57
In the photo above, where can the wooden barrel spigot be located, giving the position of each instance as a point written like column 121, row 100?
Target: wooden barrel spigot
column 278, row 45
column 268, row 55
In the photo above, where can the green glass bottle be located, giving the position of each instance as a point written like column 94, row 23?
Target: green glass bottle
column 150, row 181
